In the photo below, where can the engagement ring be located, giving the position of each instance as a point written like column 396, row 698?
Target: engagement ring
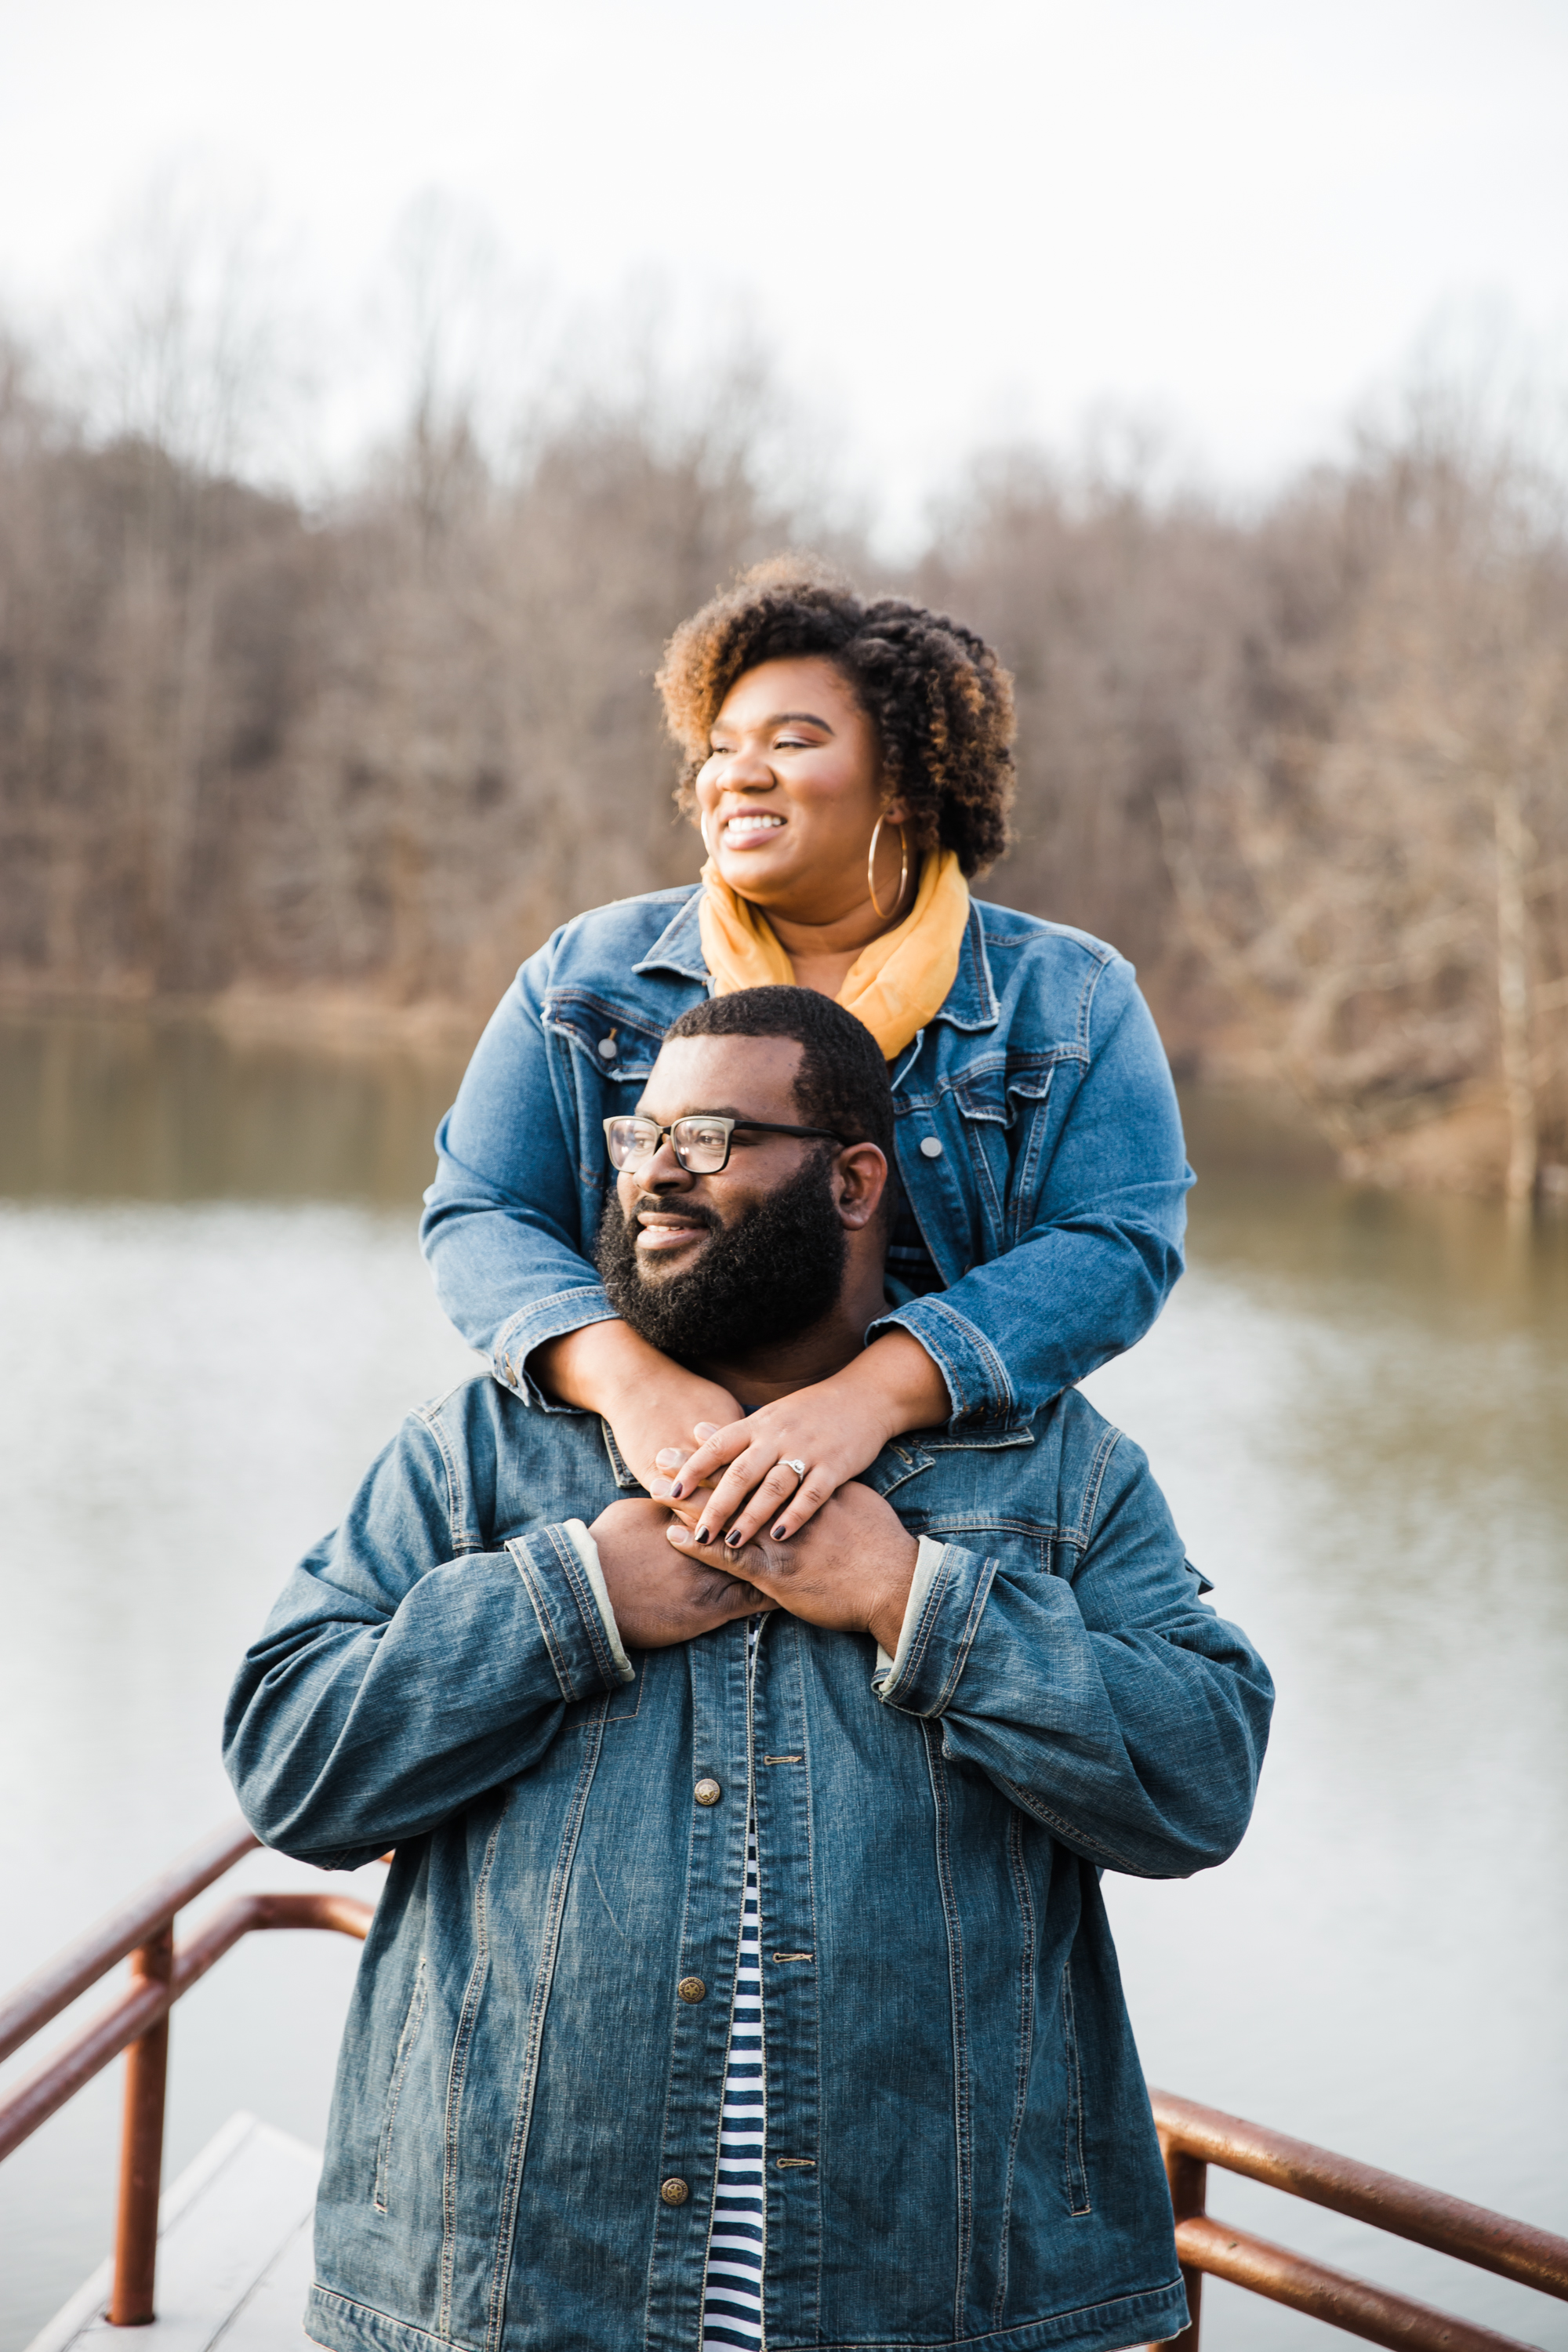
column 798, row 1467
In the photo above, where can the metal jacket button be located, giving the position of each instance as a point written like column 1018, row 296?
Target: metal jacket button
column 708, row 1792
column 692, row 1988
column 931, row 1146
column 607, row 1049
column 674, row 2193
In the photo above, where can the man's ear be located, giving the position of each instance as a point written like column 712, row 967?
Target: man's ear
column 860, row 1178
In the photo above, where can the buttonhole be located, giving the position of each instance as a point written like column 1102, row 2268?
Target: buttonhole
column 783, row 1759
column 791, row 1955
column 795, row 2163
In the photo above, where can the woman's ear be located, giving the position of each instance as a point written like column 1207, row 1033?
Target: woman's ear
column 861, row 1174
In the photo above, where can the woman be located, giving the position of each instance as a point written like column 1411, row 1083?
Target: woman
column 850, row 768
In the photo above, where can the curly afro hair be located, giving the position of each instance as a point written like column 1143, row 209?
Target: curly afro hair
column 940, row 699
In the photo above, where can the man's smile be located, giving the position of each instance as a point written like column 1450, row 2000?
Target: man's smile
column 663, row 1228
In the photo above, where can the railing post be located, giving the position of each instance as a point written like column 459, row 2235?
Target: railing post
column 141, row 2147
column 1188, row 2176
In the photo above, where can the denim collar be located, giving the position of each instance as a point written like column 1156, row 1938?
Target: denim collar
column 679, row 947
column 971, row 1002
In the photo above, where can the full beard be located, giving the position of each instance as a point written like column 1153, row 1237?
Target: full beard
column 757, row 1283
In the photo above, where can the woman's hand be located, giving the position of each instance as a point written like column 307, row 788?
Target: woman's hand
column 851, row 1571
column 837, row 1428
column 649, row 1402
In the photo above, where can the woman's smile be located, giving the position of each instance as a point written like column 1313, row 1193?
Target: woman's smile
column 749, row 828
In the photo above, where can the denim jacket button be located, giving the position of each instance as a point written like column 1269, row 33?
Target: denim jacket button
column 607, row 1049
column 931, row 1146
column 708, row 1792
column 692, row 1988
column 674, row 2193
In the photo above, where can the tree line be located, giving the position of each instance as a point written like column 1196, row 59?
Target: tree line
column 1305, row 762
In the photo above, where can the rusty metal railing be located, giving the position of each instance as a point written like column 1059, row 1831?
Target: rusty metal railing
column 143, row 1930
column 1193, row 2137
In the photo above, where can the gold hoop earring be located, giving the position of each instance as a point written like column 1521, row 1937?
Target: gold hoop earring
column 903, row 866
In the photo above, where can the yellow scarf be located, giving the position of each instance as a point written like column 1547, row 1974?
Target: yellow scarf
column 893, row 986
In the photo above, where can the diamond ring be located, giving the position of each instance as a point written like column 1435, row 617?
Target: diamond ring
column 798, row 1467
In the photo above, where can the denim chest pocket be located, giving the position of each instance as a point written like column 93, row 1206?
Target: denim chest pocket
column 1005, row 1113
column 619, row 1047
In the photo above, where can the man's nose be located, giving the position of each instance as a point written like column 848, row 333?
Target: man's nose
column 663, row 1172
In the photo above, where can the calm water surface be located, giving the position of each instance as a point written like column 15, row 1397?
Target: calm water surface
column 214, row 1313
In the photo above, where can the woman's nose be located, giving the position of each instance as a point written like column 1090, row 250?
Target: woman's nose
column 744, row 771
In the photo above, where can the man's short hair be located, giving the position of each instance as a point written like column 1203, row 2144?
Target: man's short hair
column 842, row 1082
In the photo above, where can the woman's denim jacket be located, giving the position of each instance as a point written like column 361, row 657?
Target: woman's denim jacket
column 959, row 2150
column 1038, row 1143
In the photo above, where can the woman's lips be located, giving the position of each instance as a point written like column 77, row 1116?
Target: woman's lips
column 744, row 832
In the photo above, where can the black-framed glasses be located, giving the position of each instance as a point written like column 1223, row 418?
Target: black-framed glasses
column 700, row 1141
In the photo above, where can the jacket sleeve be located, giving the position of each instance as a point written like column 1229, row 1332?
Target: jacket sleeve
column 1104, row 1699
column 1103, row 1250
column 393, row 1683
column 502, row 1227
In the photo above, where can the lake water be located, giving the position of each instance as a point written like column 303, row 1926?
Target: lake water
column 213, row 1312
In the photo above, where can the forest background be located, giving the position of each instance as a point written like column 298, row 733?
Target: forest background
column 339, row 756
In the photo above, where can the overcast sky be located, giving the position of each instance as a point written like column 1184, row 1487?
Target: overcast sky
column 951, row 221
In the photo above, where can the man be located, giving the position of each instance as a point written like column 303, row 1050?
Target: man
column 743, row 1973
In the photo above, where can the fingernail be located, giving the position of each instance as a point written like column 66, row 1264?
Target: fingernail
column 733, row 1539
column 702, row 1535
column 678, row 1490
column 779, row 1533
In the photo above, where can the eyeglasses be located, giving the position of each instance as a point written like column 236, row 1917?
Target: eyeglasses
column 700, row 1141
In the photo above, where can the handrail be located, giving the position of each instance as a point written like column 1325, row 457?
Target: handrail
column 1193, row 2138
column 1491, row 2241
column 138, row 2022
column 149, row 2000
column 66, row 1976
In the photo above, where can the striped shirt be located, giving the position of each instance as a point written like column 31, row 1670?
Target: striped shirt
column 732, row 2291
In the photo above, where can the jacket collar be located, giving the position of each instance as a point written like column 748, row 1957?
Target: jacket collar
column 970, row 1004
column 679, row 947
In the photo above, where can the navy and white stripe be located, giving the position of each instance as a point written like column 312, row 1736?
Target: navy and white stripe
column 732, row 2297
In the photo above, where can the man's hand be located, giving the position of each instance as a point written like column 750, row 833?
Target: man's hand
column 850, row 1569
column 657, row 1599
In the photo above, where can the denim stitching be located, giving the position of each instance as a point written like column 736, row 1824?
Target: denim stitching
column 961, row 2150
column 467, row 2021
column 523, row 1561
column 582, row 1593
column 1026, row 2049
column 544, row 1977
column 414, row 2018
column 978, row 1599
column 1069, row 1831
column 1075, row 2171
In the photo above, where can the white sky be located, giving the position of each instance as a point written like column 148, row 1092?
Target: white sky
column 949, row 221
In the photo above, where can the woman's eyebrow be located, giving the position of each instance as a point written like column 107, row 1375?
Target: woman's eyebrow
column 779, row 719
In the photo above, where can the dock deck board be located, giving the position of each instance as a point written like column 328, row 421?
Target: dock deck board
column 234, row 2255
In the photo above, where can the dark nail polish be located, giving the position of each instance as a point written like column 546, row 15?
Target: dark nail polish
column 676, row 1491
column 702, row 1535
column 779, row 1533
column 733, row 1539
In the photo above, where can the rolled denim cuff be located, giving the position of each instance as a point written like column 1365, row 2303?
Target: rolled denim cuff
column 560, row 1569
column 939, row 1630
column 980, row 1394
column 532, row 1325
column 928, row 1559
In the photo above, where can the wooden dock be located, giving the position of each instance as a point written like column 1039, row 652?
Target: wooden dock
column 234, row 2255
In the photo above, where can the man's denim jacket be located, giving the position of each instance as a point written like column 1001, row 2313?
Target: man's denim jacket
column 1038, row 1143
column 958, row 2144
